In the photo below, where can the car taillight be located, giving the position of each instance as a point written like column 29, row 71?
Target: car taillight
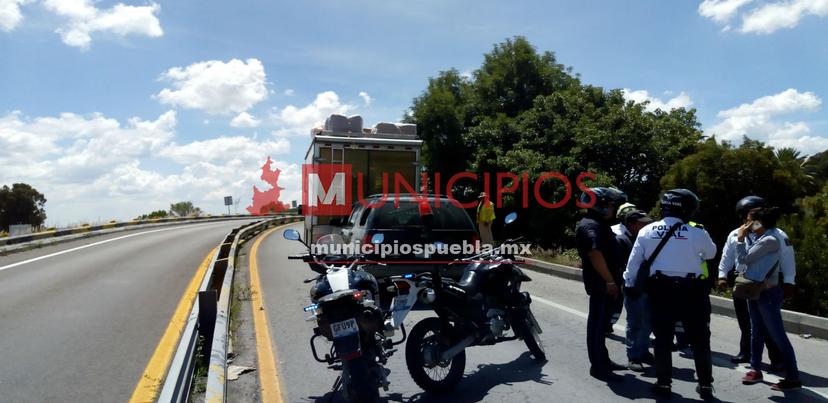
column 367, row 238
column 357, row 295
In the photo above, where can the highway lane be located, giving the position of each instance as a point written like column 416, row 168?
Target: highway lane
column 82, row 325
column 506, row 372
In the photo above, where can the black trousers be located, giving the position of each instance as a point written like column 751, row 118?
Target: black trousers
column 686, row 300
column 600, row 309
column 743, row 317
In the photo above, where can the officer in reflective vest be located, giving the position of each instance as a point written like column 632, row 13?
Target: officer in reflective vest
column 681, row 340
column 674, row 286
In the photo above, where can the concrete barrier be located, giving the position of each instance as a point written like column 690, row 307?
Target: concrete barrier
column 40, row 239
column 795, row 322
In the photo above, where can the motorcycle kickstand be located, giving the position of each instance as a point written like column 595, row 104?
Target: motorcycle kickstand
column 335, row 388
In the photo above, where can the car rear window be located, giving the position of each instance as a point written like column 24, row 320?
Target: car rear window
column 447, row 216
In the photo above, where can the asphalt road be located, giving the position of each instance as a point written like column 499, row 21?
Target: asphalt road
column 81, row 326
column 506, row 372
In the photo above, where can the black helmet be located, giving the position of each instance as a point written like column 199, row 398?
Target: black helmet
column 749, row 203
column 604, row 196
column 680, row 203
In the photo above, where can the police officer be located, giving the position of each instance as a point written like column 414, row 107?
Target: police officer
column 727, row 266
column 602, row 263
column 676, row 293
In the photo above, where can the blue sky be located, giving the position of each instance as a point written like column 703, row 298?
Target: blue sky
column 116, row 108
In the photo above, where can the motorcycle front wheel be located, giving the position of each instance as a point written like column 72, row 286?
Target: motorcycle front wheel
column 433, row 377
column 525, row 327
column 358, row 381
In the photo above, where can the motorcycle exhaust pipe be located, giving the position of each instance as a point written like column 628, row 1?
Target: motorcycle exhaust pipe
column 457, row 348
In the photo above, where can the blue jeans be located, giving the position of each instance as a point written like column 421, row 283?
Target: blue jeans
column 767, row 311
column 639, row 326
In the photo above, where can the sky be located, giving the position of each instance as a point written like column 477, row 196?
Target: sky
column 113, row 109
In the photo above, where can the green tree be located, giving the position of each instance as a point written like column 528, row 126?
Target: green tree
column 183, row 209
column 522, row 111
column 21, row 204
column 153, row 215
column 442, row 115
column 807, row 229
column 721, row 174
column 513, row 74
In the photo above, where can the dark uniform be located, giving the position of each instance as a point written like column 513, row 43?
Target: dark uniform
column 593, row 233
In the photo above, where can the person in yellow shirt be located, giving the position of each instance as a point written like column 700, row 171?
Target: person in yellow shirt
column 485, row 217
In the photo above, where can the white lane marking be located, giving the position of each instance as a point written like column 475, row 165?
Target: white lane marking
column 621, row 326
column 97, row 243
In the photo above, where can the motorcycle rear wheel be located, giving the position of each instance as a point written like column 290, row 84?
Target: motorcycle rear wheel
column 437, row 379
column 358, row 381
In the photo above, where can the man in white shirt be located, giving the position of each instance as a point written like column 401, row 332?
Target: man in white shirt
column 674, row 286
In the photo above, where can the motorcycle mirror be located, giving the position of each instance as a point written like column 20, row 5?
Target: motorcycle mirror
column 292, row 234
column 377, row 238
column 510, row 218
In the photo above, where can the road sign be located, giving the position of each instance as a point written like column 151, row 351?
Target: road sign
column 228, row 200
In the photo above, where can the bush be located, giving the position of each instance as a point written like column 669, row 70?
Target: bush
column 807, row 232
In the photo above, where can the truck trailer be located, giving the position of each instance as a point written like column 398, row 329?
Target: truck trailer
column 386, row 148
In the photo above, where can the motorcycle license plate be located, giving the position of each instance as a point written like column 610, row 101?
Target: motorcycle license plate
column 346, row 339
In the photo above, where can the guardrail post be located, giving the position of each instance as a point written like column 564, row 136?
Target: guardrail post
column 207, row 309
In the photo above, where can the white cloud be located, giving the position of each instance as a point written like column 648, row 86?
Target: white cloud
column 365, row 98
column 223, row 148
column 721, row 11
column 785, row 14
column 245, row 120
column 757, row 120
column 215, row 86
column 84, row 19
column 92, row 166
column 765, row 18
column 289, row 92
column 681, row 100
column 293, row 120
column 10, row 15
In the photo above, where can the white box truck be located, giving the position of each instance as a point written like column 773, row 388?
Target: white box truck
column 386, row 148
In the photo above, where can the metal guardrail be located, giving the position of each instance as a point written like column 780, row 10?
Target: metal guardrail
column 91, row 228
column 209, row 318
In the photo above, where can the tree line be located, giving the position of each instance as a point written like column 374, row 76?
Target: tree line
column 523, row 111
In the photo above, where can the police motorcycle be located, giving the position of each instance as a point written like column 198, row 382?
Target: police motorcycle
column 347, row 311
column 478, row 310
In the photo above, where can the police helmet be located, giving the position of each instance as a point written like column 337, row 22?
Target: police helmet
column 603, row 197
column 749, row 203
column 680, row 203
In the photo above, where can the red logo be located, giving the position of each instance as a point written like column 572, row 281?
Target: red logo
column 326, row 189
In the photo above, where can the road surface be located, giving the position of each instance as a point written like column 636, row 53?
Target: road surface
column 506, row 372
column 80, row 326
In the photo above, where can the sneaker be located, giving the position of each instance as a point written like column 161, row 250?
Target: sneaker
column 752, row 377
column 705, row 392
column 785, row 385
column 740, row 359
column 614, row 366
column 635, row 366
column 662, row 390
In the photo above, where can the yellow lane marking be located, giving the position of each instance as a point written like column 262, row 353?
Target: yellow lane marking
column 268, row 372
column 150, row 382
